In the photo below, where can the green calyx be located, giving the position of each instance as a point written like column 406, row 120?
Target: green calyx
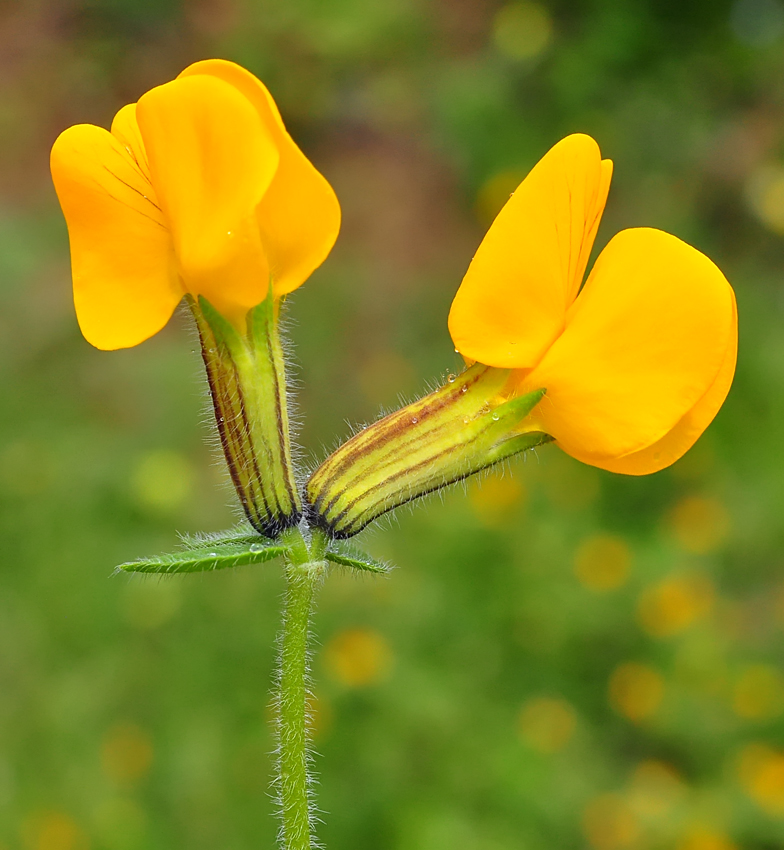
column 461, row 428
column 247, row 382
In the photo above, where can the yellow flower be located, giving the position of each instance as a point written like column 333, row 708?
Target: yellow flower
column 197, row 189
column 636, row 363
column 623, row 374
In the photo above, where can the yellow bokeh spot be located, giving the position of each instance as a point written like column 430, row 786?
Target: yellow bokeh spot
column 636, row 691
column 494, row 498
column 358, row 657
column 602, row 562
column 126, row 754
column 547, row 724
column 162, row 481
column 765, row 196
column 610, row 824
column 655, row 789
column 705, row 838
column 761, row 772
column 759, row 693
column 495, row 192
column 699, row 524
column 53, row 831
column 674, row 604
column 522, row 30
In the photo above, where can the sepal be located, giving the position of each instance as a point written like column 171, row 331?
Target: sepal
column 247, row 383
column 472, row 422
column 343, row 553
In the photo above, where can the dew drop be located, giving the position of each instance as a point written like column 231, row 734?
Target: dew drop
column 451, row 378
column 466, row 419
column 212, row 555
column 496, row 417
column 457, row 351
column 256, row 547
column 414, row 420
column 464, row 389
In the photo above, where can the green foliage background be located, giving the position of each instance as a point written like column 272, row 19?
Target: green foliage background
column 473, row 700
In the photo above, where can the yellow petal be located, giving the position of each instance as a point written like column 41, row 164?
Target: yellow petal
column 299, row 215
column 513, row 300
column 644, row 342
column 211, row 161
column 124, row 277
column 688, row 430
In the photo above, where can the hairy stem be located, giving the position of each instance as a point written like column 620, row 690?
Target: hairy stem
column 304, row 570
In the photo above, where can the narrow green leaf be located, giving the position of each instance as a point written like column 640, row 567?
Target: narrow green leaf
column 340, row 552
column 218, row 556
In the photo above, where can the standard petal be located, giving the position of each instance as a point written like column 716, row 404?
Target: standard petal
column 299, row 215
column 644, row 342
column 513, row 300
column 124, row 277
column 211, row 161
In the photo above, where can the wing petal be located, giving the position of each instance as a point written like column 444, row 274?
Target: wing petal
column 124, row 276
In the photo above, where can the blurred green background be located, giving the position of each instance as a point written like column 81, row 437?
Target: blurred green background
column 565, row 658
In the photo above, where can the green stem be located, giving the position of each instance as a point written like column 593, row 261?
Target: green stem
column 304, row 569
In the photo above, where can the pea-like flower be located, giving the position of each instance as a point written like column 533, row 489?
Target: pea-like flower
column 637, row 363
column 624, row 373
column 199, row 191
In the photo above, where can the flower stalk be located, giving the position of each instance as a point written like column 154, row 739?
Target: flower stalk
column 305, row 568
